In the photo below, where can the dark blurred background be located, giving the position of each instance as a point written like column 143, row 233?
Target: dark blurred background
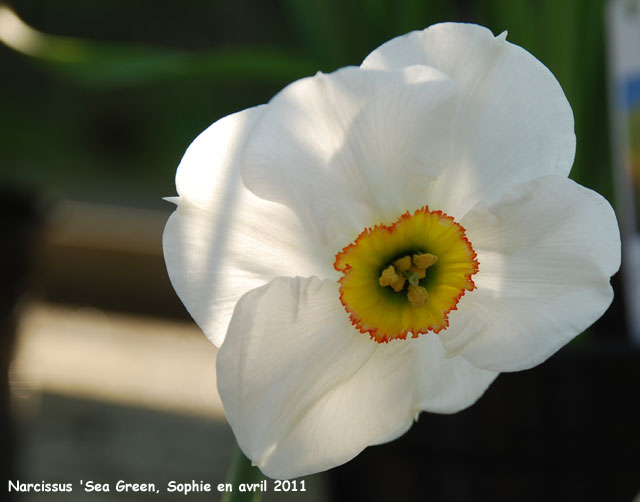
column 100, row 104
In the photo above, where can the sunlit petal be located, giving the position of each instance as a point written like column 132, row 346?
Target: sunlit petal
column 352, row 148
column 546, row 252
column 513, row 124
column 302, row 389
column 222, row 240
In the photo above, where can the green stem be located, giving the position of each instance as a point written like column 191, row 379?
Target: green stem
column 241, row 471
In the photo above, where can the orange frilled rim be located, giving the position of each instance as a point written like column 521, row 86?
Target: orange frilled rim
column 386, row 314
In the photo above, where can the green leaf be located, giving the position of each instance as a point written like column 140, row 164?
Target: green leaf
column 106, row 64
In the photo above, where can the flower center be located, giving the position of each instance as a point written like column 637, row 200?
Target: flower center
column 408, row 270
column 406, row 277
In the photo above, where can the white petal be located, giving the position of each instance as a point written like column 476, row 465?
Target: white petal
column 208, row 174
column 302, row 389
column 446, row 384
column 353, row 148
column 546, row 253
column 514, row 122
column 222, row 240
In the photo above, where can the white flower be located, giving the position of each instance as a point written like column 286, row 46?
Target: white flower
column 307, row 220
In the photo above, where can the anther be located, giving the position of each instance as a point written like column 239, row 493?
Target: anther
column 390, row 277
column 424, row 260
column 417, row 295
column 410, row 269
column 403, row 264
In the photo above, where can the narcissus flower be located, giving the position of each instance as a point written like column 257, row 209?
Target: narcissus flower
column 384, row 240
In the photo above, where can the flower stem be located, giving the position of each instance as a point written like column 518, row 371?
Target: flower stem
column 241, row 471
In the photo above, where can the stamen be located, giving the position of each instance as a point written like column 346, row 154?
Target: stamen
column 417, row 295
column 389, row 277
column 424, row 260
column 403, row 264
column 412, row 270
column 419, row 272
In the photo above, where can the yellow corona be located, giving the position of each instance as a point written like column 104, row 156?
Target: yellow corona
column 405, row 278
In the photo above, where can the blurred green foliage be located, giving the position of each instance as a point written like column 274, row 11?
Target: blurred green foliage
column 105, row 108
